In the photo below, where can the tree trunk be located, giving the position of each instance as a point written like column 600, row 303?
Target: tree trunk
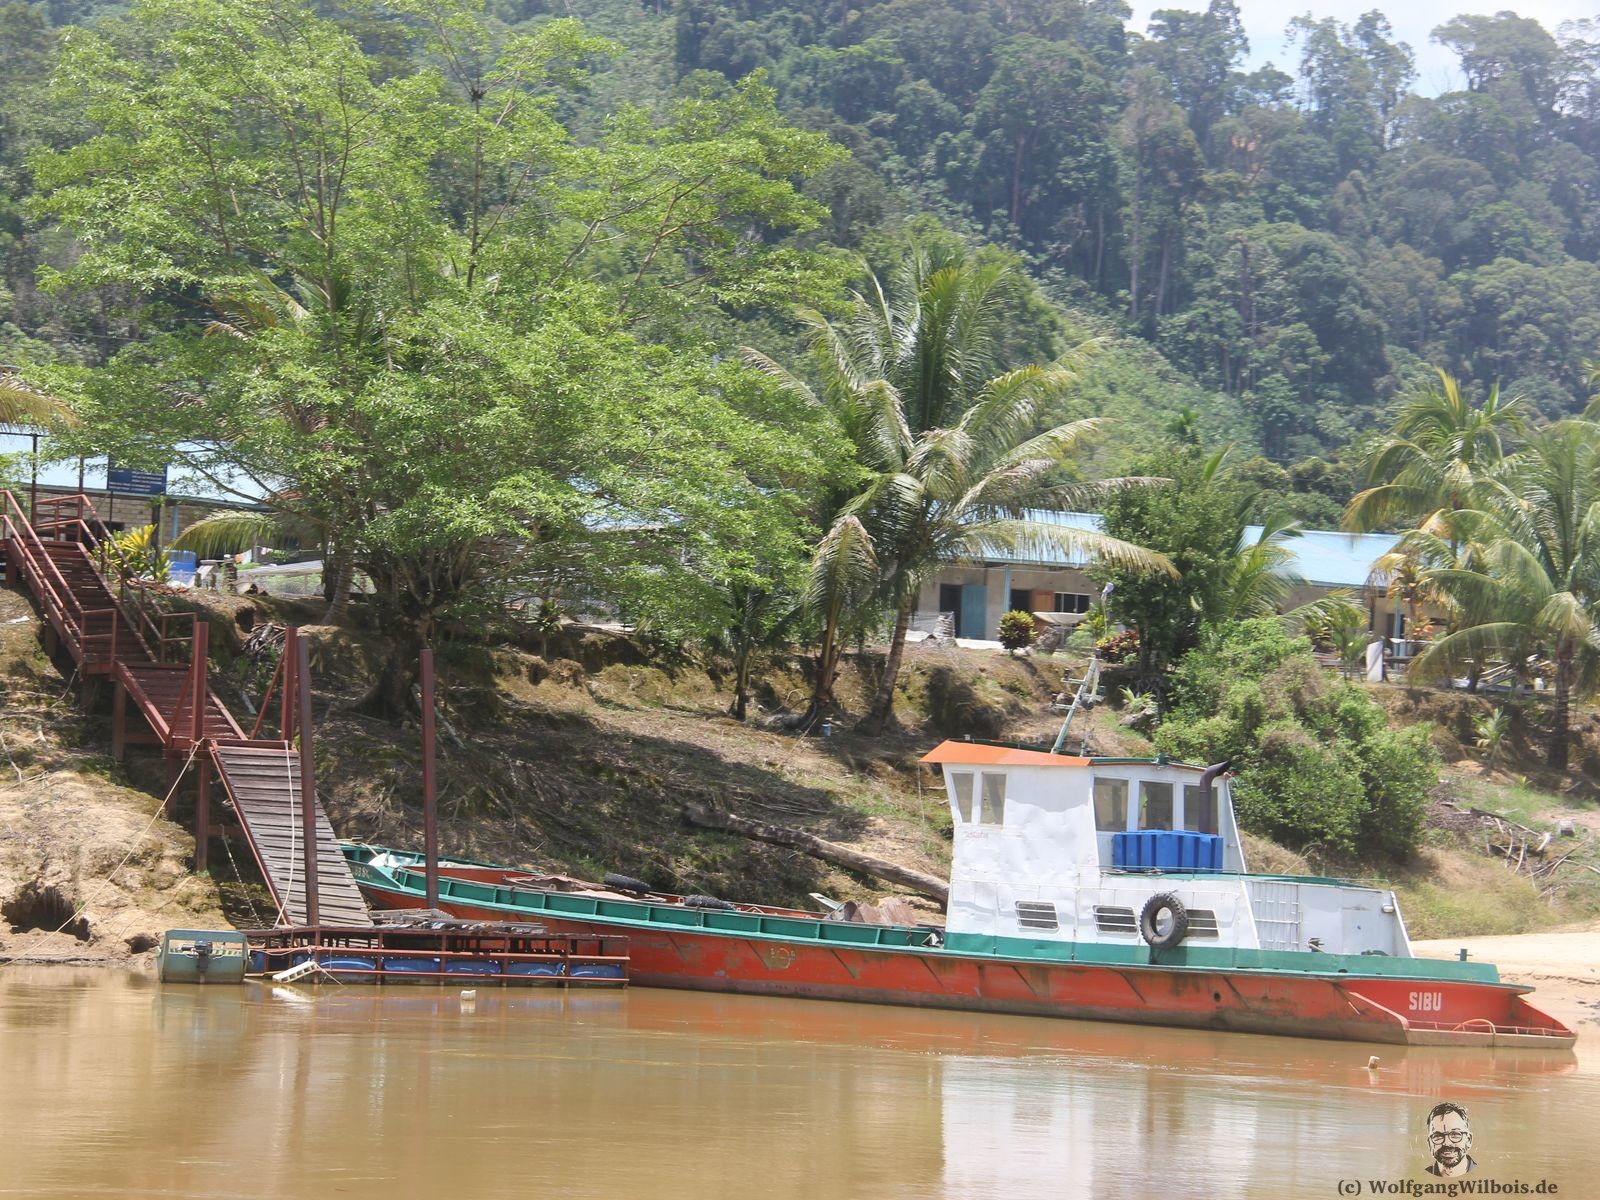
column 781, row 835
column 1560, row 716
column 1016, row 181
column 1137, row 247
column 877, row 718
column 338, row 610
column 741, row 682
column 390, row 696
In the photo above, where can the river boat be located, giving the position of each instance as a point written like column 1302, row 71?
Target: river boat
column 1094, row 888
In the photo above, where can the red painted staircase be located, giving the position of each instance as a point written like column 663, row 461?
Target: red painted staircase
column 63, row 555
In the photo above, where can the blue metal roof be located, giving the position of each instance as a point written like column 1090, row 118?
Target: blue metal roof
column 1322, row 556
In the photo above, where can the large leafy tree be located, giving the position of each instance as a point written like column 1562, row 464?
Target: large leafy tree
column 411, row 308
column 1196, row 516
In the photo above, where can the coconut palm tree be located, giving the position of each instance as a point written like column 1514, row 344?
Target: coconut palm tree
column 23, row 406
column 1441, row 447
column 972, row 490
column 948, row 444
column 1532, row 581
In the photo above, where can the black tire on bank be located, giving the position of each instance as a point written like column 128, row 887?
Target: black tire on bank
column 1162, row 933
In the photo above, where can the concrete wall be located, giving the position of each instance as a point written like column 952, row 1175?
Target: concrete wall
column 131, row 512
column 998, row 583
column 1045, row 582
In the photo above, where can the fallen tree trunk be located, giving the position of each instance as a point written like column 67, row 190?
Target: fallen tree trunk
column 781, row 835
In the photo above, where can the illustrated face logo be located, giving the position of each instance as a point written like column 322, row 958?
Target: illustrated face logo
column 1449, row 1140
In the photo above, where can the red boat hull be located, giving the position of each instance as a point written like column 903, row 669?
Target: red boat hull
column 1285, row 1003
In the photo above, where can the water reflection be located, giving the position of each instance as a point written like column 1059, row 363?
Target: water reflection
column 110, row 1084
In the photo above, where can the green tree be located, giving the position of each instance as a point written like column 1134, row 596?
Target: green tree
column 951, row 451
column 1535, row 578
column 1439, row 451
column 1196, row 516
column 417, row 312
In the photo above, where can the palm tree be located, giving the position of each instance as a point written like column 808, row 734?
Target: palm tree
column 972, row 492
column 844, row 578
column 23, row 406
column 1532, row 581
column 1439, row 450
column 947, row 442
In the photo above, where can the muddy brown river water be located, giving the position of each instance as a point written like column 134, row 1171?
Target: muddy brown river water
column 114, row 1085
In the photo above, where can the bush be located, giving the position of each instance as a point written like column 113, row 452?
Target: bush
column 1317, row 765
column 1119, row 647
column 1016, row 630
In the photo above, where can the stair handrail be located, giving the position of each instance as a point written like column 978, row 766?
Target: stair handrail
column 100, row 534
column 25, row 525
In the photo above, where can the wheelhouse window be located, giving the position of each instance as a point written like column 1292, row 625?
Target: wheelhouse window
column 1200, row 809
column 1111, row 805
column 993, row 810
column 1155, row 805
column 961, row 788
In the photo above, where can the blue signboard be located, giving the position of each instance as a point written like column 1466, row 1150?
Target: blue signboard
column 136, row 483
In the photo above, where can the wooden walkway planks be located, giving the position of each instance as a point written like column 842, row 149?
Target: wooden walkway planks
column 264, row 785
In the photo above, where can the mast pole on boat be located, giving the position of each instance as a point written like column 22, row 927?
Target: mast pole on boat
column 430, row 799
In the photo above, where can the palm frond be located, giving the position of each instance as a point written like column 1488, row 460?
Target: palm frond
column 228, row 533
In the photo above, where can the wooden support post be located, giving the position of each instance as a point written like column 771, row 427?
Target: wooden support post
column 291, row 692
column 430, row 798
column 308, row 778
column 174, row 769
column 199, row 651
column 202, row 813
column 119, row 719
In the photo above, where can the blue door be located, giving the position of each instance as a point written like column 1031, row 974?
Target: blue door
column 974, row 610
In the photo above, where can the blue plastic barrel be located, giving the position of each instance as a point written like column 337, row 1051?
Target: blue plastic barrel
column 467, row 967
column 1169, row 850
column 1120, row 856
column 350, row 962
column 596, row 971
column 411, row 966
column 534, row 968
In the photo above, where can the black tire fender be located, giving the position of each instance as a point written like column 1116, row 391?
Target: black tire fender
column 1150, row 916
column 626, row 883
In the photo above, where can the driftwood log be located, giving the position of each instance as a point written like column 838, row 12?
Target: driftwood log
column 781, row 835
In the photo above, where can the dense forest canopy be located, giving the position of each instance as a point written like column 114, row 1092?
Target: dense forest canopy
column 1283, row 251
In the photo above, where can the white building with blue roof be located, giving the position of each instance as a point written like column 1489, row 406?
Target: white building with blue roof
column 1046, row 580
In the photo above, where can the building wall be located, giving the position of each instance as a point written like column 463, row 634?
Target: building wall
column 1044, row 583
column 132, row 512
column 998, row 583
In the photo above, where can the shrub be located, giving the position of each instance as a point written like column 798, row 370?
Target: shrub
column 1016, row 630
column 137, row 548
column 1119, row 647
column 1317, row 764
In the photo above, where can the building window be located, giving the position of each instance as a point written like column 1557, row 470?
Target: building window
column 1072, row 602
column 1111, row 804
column 993, row 810
column 1199, row 809
column 961, row 785
column 1155, row 805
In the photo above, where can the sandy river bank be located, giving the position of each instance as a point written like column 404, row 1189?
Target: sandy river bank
column 1562, row 966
